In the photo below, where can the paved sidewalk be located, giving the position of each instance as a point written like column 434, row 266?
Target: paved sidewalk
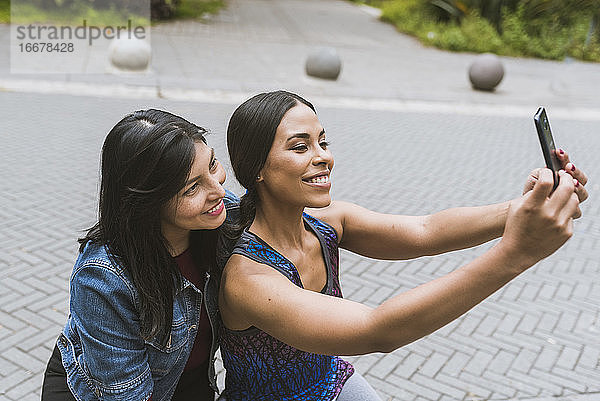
column 445, row 145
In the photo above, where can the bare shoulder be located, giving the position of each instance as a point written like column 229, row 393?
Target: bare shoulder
column 334, row 215
column 247, row 288
column 242, row 274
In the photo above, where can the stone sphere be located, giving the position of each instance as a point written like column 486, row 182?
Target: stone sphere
column 323, row 62
column 131, row 54
column 486, row 72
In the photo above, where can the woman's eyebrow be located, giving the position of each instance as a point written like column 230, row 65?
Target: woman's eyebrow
column 212, row 157
column 303, row 135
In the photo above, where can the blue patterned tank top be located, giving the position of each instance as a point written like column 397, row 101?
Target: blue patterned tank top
column 259, row 366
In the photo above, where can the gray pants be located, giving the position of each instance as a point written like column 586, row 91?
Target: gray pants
column 356, row 388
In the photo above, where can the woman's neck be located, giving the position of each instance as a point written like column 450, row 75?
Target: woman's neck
column 178, row 240
column 282, row 227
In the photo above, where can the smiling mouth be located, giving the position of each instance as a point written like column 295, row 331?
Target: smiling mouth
column 320, row 179
column 216, row 209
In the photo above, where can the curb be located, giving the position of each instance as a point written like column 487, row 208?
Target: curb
column 233, row 98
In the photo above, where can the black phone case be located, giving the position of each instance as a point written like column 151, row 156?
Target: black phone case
column 547, row 142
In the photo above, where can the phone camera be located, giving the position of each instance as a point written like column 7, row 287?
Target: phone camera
column 545, row 124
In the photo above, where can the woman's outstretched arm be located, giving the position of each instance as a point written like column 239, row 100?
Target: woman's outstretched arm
column 385, row 236
column 254, row 295
column 323, row 324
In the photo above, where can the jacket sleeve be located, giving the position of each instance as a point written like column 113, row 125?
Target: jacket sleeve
column 232, row 204
column 226, row 240
column 113, row 354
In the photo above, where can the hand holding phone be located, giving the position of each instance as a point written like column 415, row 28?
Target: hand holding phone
column 547, row 143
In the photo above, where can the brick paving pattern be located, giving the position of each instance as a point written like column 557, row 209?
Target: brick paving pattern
column 537, row 338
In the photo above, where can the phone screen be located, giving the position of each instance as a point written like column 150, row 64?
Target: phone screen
column 547, row 142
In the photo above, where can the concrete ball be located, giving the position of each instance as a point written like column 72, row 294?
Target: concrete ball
column 130, row 54
column 323, row 62
column 486, row 72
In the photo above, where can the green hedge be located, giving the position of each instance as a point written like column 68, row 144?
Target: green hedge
column 197, row 8
column 4, row 11
column 521, row 30
column 106, row 11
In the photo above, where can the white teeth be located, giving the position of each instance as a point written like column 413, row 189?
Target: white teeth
column 320, row 180
column 214, row 209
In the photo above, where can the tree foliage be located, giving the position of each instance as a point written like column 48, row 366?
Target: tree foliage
column 159, row 9
column 561, row 13
column 552, row 29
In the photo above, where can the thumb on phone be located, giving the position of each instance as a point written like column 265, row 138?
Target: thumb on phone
column 542, row 187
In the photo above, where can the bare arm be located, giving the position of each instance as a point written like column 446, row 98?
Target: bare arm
column 385, row 236
column 253, row 294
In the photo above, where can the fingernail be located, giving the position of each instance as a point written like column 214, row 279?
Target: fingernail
column 575, row 182
column 572, row 167
column 562, row 152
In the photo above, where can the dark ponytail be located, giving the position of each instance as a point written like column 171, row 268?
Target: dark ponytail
column 248, row 207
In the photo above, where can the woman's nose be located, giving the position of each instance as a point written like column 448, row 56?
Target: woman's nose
column 217, row 189
column 322, row 156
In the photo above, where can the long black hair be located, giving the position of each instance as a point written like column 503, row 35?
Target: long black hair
column 250, row 135
column 146, row 159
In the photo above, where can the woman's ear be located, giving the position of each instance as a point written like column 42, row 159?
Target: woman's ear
column 259, row 176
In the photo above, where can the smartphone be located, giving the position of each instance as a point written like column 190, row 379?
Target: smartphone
column 547, row 142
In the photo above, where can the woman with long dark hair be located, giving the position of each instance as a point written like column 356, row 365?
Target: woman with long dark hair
column 280, row 299
column 142, row 301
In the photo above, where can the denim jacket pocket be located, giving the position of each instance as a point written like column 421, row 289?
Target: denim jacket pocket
column 162, row 356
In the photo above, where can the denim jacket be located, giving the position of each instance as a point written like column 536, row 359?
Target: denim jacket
column 102, row 352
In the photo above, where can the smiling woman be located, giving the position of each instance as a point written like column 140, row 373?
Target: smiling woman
column 299, row 161
column 284, row 319
column 199, row 205
column 142, row 302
